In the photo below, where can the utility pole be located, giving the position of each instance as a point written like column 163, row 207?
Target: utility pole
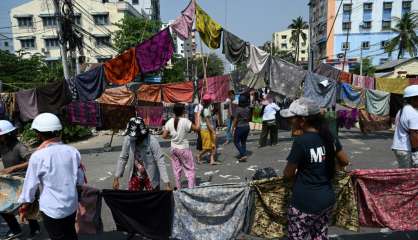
column 361, row 61
column 63, row 43
column 348, row 33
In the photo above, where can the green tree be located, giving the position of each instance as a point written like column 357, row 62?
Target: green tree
column 133, row 30
column 368, row 68
column 215, row 66
column 176, row 72
column 275, row 52
column 297, row 26
column 406, row 40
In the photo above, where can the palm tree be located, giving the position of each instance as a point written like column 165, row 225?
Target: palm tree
column 406, row 41
column 297, row 26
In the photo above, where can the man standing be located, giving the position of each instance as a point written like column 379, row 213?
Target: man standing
column 229, row 105
column 405, row 140
column 55, row 170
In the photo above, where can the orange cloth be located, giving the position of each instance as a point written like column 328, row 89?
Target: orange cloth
column 149, row 93
column 122, row 69
column 346, row 77
column 117, row 96
column 178, row 92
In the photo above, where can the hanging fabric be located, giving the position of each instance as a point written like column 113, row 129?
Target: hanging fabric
column 372, row 123
column 116, row 117
column 149, row 93
column 363, row 82
column 154, row 53
column 11, row 187
column 347, row 118
column 256, row 80
column 235, row 49
column 388, row 198
column 183, row 25
column 350, row 97
column 218, row 87
column 286, row 78
column 178, row 92
column 118, row 96
column 327, row 70
column 346, row 77
column 84, row 113
column 10, row 104
column 53, row 97
column 27, row 103
column 392, row 85
column 122, row 69
column 321, row 89
column 89, row 215
column 91, row 84
column 413, row 81
column 377, row 102
column 209, row 30
column 152, row 115
column 258, row 59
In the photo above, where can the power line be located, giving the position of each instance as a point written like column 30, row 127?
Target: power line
column 335, row 19
column 86, row 13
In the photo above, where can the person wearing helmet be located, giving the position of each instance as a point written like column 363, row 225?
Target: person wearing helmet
column 14, row 156
column 405, row 139
column 55, row 170
column 311, row 163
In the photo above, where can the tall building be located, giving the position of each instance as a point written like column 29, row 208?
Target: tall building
column 367, row 23
column 6, row 44
column 34, row 27
column 150, row 8
column 281, row 42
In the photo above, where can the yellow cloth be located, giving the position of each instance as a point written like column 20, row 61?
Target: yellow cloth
column 392, row 85
column 208, row 141
column 210, row 31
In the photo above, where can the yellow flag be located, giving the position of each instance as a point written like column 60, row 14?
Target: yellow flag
column 209, row 30
column 392, row 85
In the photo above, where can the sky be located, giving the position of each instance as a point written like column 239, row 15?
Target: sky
column 252, row 20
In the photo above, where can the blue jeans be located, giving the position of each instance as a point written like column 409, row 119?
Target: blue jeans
column 228, row 129
column 240, row 139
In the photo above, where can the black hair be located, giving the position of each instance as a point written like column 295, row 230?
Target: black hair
column 178, row 110
column 49, row 135
column 231, row 92
column 319, row 123
column 11, row 139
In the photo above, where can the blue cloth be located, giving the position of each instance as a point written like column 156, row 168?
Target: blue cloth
column 240, row 139
column 228, row 129
column 10, row 188
column 91, row 84
column 349, row 96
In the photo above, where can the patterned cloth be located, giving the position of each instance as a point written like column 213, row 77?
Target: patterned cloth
column 122, row 69
column 10, row 187
column 115, row 117
column 118, row 96
column 91, row 84
column 84, row 113
column 388, row 198
column 301, row 225
column 183, row 25
column 392, row 85
column 149, row 93
column 152, row 115
column 9, row 104
column 327, row 70
column 218, row 87
column 235, row 49
column 210, row 212
column 208, row 140
column 321, row 89
column 286, row 78
column 209, row 30
column 363, row 81
column 182, row 160
column 89, row 217
column 139, row 180
column 347, row 118
column 372, row 123
column 351, row 97
column 346, row 77
column 155, row 52
column 178, row 92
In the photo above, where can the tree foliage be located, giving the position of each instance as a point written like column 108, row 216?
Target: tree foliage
column 298, row 26
column 275, row 52
column 368, row 68
column 133, row 30
column 406, row 40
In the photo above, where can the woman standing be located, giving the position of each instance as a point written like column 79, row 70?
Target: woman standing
column 146, row 161
column 312, row 163
column 241, row 127
column 181, row 154
column 207, row 131
column 269, row 122
column 14, row 156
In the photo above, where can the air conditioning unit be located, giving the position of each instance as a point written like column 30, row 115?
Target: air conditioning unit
column 44, row 50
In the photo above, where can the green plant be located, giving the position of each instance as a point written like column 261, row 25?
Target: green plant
column 406, row 40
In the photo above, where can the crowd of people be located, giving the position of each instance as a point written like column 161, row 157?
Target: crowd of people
column 54, row 172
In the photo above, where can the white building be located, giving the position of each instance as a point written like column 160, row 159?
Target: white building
column 150, row 8
column 281, row 42
column 34, row 27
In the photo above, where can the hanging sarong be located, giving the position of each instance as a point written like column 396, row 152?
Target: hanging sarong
column 377, row 102
column 258, row 59
column 209, row 30
column 84, row 113
column 27, row 103
column 327, row 70
column 392, row 85
column 116, row 117
column 235, row 49
column 89, row 216
column 350, row 97
column 363, row 82
column 122, row 69
column 178, row 92
column 372, row 123
column 286, row 78
column 91, row 84
column 346, row 77
column 152, row 115
column 321, row 89
column 118, row 96
column 53, row 97
column 218, row 87
column 149, row 93
column 183, row 25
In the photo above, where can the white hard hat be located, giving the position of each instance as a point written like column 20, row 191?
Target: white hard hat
column 411, row 91
column 6, row 127
column 46, row 122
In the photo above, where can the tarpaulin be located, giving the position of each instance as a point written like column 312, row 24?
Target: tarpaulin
column 388, row 198
column 149, row 214
column 10, row 189
column 9, row 104
column 285, row 78
column 210, row 212
column 116, row 117
column 84, row 113
column 90, row 84
column 258, row 59
column 217, row 86
column 351, row 97
column 346, row 77
column 122, row 69
column 328, row 71
column 53, row 97
column 149, row 93
column 209, row 30
column 118, row 96
column 152, row 115
column 178, row 92
column 27, row 103
column 396, row 103
column 154, row 53
column 183, row 25
column 321, row 89
column 88, row 218
column 372, row 123
column 235, row 49
column 392, row 85
column 377, row 102
column 363, row 81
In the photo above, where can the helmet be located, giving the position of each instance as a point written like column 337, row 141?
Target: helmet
column 6, row 127
column 411, row 91
column 207, row 97
column 46, row 122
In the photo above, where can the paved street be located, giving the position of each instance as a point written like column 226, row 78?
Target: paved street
column 370, row 151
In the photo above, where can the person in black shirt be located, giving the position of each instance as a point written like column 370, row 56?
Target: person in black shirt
column 312, row 164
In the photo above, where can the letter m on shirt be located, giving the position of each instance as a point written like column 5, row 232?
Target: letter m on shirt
column 317, row 154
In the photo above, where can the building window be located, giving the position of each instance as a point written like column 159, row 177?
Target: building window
column 77, row 20
column 347, row 8
column 284, row 45
column 346, row 26
column 303, row 52
column 284, row 36
column 302, row 59
column 6, row 44
column 365, row 45
column 367, row 6
column 105, row 1
column 386, row 25
column 387, row 11
column 406, row 7
column 49, row 21
column 383, row 60
column 387, row 5
column 135, row 2
column 303, row 44
column 103, row 41
column 51, row 43
column 383, row 44
column 345, row 46
column 367, row 25
column 101, row 19
column 25, row 22
column 27, row 43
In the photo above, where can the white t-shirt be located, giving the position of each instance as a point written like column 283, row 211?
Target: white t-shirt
column 408, row 120
column 178, row 137
column 270, row 112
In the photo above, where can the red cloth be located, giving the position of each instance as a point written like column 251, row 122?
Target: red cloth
column 122, row 69
column 388, row 198
column 178, row 92
column 346, row 77
column 217, row 86
column 413, row 81
column 149, row 93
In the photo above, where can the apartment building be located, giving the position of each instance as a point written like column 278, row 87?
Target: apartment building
column 281, row 42
column 6, row 44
